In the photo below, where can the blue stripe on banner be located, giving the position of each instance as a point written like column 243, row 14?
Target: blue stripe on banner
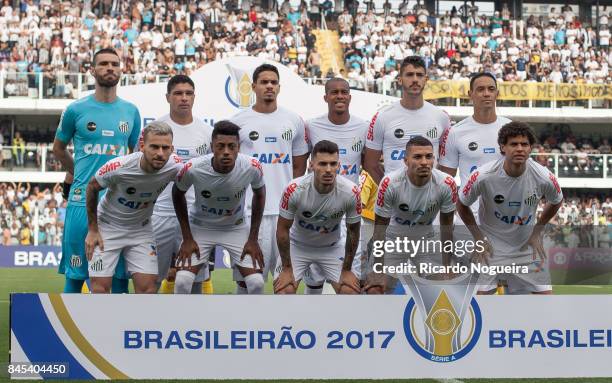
column 38, row 338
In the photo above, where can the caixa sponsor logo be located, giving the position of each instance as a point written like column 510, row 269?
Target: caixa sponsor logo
column 273, row 158
column 322, row 229
column 397, row 155
column 133, row 204
column 513, row 219
column 346, row 170
column 36, row 258
column 210, row 211
column 442, row 334
column 105, row 149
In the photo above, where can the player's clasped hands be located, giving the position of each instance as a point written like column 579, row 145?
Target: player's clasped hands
column 349, row 284
column 92, row 240
column 188, row 247
column 252, row 248
column 285, row 278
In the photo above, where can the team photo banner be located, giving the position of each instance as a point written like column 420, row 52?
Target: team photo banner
column 436, row 331
column 522, row 91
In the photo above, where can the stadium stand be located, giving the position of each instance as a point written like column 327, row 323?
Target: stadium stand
column 53, row 42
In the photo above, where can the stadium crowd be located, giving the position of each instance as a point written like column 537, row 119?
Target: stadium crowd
column 165, row 38
column 26, row 210
column 19, row 204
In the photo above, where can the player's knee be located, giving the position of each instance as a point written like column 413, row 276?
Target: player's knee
column 184, row 281
column 254, row 283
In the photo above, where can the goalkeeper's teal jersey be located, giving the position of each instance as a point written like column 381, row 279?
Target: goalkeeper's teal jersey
column 99, row 131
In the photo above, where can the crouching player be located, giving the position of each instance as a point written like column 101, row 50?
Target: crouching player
column 408, row 201
column 318, row 201
column 220, row 180
column 121, row 222
column 509, row 191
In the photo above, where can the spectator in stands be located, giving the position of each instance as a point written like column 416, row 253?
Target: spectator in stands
column 18, row 149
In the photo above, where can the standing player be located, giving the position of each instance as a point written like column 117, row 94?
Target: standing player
column 392, row 127
column 121, row 223
column 349, row 132
column 319, row 201
column 409, row 200
column 472, row 142
column 220, row 181
column 191, row 138
column 276, row 137
column 509, row 191
column 101, row 127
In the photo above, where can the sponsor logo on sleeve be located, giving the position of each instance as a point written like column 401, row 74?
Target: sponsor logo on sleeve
column 108, row 133
column 109, row 167
column 453, row 186
column 472, row 146
column 488, row 150
column 443, row 141
column 371, row 127
column 287, row 194
column 555, row 183
column 470, row 183
column 380, row 200
column 399, row 133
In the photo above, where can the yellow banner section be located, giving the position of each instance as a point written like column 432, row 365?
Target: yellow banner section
column 522, row 91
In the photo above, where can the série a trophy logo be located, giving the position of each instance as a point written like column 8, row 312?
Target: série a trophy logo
column 238, row 88
column 442, row 321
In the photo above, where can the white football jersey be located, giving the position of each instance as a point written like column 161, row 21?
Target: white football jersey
column 273, row 139
column 468, row 145
column 132, row 193
column 412, row 209
column 350, row 138
column 219, row 198
column 392, row 127
column 317, row 217
column 508, row 205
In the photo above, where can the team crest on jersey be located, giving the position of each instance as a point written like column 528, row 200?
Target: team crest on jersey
column 240, row 194
column 432, row 133
column 431, row 208
column 75, row 261
column 532, row 200
column 124, row 127
column 201, row 150
column 287, row 134
column 357, row 145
